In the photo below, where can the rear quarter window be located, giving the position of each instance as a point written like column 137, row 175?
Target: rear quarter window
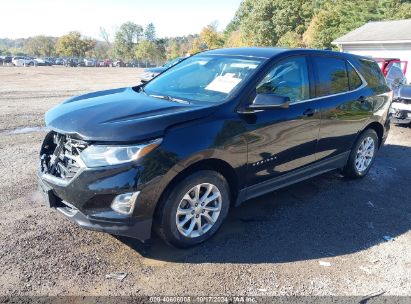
column 353, row 77
column 372, row 74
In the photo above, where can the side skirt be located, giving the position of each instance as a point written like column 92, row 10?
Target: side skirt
column 296, row 176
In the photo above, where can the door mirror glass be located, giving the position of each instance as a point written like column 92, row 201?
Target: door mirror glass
column 270, row 101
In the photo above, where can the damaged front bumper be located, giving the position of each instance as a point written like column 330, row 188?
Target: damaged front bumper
column 86, row 200
column 401, row 112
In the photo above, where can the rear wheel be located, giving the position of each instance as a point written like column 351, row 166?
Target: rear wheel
column 362, row 155
column 194, row 210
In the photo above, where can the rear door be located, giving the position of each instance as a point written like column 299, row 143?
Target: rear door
column 344, row 104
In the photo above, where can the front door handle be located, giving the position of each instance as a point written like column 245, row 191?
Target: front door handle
column 308, row 112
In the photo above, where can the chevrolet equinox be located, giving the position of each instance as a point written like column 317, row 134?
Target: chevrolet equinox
column 219, row 128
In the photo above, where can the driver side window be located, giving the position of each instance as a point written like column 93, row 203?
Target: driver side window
column 287, row 78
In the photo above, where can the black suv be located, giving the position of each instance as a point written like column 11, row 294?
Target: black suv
column 217, row 129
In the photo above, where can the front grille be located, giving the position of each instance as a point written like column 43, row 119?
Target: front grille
column 60, row 155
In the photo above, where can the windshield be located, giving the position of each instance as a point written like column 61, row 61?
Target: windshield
column 204, row 78
column 172, row 62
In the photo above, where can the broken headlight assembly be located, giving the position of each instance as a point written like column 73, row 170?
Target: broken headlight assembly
column 106, row 155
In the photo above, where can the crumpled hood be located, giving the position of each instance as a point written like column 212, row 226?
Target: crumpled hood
column 120, row 115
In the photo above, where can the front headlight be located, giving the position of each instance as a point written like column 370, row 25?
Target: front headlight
column 102, row 155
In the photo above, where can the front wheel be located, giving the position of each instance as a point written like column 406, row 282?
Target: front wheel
column 362, row 155
column 194, row 210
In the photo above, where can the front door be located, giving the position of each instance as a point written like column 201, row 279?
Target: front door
column 282, row 140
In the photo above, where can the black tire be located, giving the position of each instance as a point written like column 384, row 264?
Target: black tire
column 165, row 220
column 350, row 170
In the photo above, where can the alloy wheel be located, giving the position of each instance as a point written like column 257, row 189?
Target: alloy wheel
column 365, row 154
column 198, row 210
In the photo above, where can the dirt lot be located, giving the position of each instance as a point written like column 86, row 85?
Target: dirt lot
column 272, row 245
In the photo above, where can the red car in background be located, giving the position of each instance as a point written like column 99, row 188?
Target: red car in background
column 386, row 63
column 394, row 72
column 107, row 63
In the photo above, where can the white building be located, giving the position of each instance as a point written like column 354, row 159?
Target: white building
column 383, row 39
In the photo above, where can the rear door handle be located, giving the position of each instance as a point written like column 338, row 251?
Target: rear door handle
column 309, row 112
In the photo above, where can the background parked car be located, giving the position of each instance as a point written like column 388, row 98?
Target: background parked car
column 153, row 72
column 70, row 62
column 51, row 60
column 118, row 63
column 5, row 59
column 107, row 63
column 80, row 62
column 394, row 73
column 23, row 61
column 386, row 63
column 401, row 106
column 59, row 61
column 90, row 62
column 104, row 63
column 133, row 64
column 41, row 62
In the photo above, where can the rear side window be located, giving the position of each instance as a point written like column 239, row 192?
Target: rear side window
column 372, row 74
column 353, row 77
column 332, row 77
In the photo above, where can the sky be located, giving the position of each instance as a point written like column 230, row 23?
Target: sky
column 25, row 18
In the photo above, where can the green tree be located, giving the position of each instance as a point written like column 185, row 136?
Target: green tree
column 40, row 46
column 174, row 50
column 255, row 22
column 291, row 39
column 234, row 39
column 196, row 46
column 73, row 45
column 210, row 37
column 149, row 51
column 126, row 38
column 324, row 28
column 313, row 23
column 104, row 34
column 264, row 22
column 292, row 16
column 338, row 17
column 150, row 32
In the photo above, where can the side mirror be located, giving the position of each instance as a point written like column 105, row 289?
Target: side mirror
column 270, row 101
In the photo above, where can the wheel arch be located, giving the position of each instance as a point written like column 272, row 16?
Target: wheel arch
column 378, row 128
column 214, row 164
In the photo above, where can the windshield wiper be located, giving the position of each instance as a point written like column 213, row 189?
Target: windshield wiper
column 166, row 97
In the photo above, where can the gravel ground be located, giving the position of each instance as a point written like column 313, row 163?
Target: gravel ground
column 274, row 245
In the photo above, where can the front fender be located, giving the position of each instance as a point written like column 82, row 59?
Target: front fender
column 184, row 146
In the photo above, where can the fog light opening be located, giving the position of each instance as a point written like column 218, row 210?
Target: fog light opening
column 124, row 203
